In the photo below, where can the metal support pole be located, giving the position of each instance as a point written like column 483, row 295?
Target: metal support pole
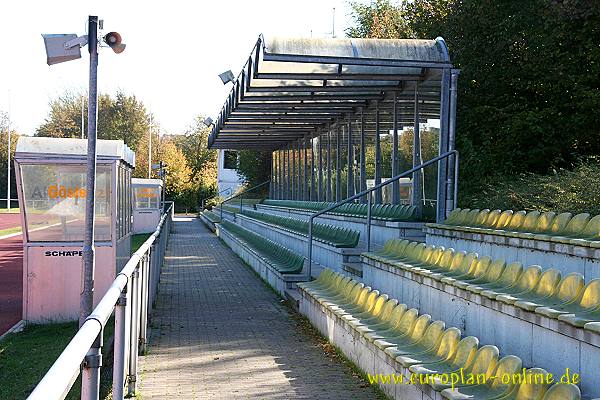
column 90, row 375
column 350, row 176
column 378, row 196
column 305, row 169
column 320, row 169
column 8, row 157
column 118, row 385
column 363, row 162
column 328, row 196
column 418, row 176
column 452, row 181
column 281, row 175
column 443, row 146
column 288, row 178
column 293, row 175
column 143, row 335
column 338, row 163
column 313, row 183
column 395, row 159
column 299, row 194
column 272, row 177
column 150, row 147
column 133, row 334
column 368, row 222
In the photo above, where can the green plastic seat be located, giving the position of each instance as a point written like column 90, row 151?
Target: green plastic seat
column 526, row 282
column 492, row 389
column 510, row 275
column 563, row 392
column 380, row 331
column 443, row 351
column 567, row 290
column 414, row 334
column 479, row 271
column 587, row 301
column 529, row 388
column 545, row 287
column 462, row 358
column 484, row 362
column 426, row 343
column 588, row 307
column 591, row 232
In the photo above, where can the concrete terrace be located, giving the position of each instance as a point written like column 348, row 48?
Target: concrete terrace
column 219, row 332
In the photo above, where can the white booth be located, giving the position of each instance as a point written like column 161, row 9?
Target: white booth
column 51, row 182
column 147, row 205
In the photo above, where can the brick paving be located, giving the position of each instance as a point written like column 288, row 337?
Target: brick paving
column 220, row 333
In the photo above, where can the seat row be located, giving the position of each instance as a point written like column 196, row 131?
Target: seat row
column 228, row 207
column 427, row 348
column 211, row 216
column 581, row 229
column 383, row 212
column 282, row 259
column 544, row 292
column 326, row 233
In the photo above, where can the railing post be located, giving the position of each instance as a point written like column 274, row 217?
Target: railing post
column 133, row 334
column 143, row 336
column 369, row 222
column 120, row 344
column 90, row 373
column 310, row 240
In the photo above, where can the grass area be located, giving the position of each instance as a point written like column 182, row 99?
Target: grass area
column 576, row 191
column 26, row 356
column 138, row 240
column 16, row 229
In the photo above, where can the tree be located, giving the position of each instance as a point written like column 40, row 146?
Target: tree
column 528, row 90
column 254, row 166
column 121, row 117
column 14, row 136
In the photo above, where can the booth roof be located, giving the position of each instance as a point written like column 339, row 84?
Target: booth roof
column 69, row 148
column 292, row 87
column 146, row 182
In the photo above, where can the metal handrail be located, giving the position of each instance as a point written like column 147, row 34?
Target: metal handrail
column 129, row 295
column 377, row 187
column 240, row 196
column 212, row 197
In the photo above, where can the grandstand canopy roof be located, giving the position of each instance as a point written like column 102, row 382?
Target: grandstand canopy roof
column 292, row 87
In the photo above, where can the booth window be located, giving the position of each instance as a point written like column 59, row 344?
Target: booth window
column 54, row 197
column 230, row 159
column 123, row 202
column 147, row 197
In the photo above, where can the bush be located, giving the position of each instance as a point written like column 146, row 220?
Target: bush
column 575, row 191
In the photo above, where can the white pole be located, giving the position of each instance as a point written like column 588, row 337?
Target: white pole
column 8, row 160
column 150, row 147
column 82, row 118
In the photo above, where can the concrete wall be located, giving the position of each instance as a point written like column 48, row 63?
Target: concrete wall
column 567, row 258
column 539, row 341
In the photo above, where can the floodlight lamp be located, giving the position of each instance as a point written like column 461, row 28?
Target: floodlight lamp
column 114, row 41
column 207, row 121
column 227, row 77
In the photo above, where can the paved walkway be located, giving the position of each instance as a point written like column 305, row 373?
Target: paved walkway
column 220, row 333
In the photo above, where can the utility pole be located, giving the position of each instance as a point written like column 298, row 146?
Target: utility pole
column 150, row 146
column 8, row 160
column 82, row 118
column 333, row 24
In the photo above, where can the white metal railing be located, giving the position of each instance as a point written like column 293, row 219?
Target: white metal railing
column 130, row 297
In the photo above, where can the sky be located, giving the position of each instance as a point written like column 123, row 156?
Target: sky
column 175, row 51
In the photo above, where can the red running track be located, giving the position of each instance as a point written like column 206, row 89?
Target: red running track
column 11, row 274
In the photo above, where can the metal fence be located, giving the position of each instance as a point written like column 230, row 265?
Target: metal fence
column 130, row 296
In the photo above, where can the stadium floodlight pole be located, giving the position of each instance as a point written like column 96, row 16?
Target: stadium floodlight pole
column 8, row 160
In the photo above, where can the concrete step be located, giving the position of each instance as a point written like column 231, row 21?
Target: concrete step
column 292, row 296
column 353, row 268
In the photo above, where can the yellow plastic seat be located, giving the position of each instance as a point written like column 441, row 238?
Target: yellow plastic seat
column 330, row 286
column 382, row 319
column 471, row 217
column 492, row 274
column 559, row 223
column 510, row 275
column 528, row 279
column 439, row 256
column 379, row 331
column 452, row 216
column 592, row 327
column 347, row 307
column 573, row 229
column 587, row 300
column 322, row 280
column 592, row 229
column 428, row 341
column 405, row 335
column 461, row 216
column 516, row 221
column 484, row 363
column 479, row 271
column 341, row 295
column 444, row 350
column 430, row 255
column 373, row 312
column 563, row 392
column 338, row 287
column 587, row 309
column 481, row 217
column 362, row 307
column 468, row 264
column 503, row 220
column 491, row 389
column 463, row 357
column 530, row 222
column 545, row 287
column 437, row 271
column 567, row 290
column 491, row 219
column 533, row 387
